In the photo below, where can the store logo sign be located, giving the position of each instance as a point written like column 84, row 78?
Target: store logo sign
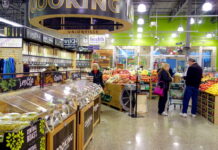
column 96, row 39
column 5, row 4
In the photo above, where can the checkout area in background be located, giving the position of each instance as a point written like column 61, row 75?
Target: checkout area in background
column 59, row 114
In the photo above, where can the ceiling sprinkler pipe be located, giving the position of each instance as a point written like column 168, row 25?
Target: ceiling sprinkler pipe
column 186, row 16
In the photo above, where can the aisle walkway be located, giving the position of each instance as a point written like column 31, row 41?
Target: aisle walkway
column 117, row 131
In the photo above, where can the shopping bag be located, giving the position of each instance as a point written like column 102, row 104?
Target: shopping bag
column 158, row 91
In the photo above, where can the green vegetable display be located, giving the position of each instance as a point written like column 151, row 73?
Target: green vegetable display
column 42, row 143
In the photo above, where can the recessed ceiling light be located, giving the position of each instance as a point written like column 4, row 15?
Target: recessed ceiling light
column 207, row 6
column 174, row 35
column 192, row 21
column 140, row 21
column 140, row 29
column 139, row 36
column 141, row 8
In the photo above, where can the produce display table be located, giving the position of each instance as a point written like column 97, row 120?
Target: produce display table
column 97, row 110
column 63, row 136
column 85, row 126
column 208, row 106
column 114, row 90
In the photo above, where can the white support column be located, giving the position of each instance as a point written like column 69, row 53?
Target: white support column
column 151, row 57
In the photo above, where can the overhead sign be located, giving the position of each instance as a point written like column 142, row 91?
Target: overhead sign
column 48, row 39
column 120, row 12
column 70, row 43
column 11, row 42
column 58, row 43
column 96, row 39
column 33, row 35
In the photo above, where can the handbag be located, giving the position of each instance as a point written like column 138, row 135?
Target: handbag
column 158, row 90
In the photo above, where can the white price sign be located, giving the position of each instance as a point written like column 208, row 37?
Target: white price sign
column 96, row 39
column 11, row 42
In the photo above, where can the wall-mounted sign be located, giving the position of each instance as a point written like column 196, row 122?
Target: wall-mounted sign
column 70, row 43
column 119, row 12
column 48, row 39
column 33, row 35
column 11, row 42
column 58, row 43
column 96, row 39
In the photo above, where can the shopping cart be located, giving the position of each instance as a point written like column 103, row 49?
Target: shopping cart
column 176, row 93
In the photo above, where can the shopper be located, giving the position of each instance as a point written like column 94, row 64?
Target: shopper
column 193, row 81
column 164, row 79
column 97, row 75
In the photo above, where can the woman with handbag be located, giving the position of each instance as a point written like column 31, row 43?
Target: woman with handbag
column 164, row 79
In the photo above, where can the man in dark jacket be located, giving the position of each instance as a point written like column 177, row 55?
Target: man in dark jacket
column 193, row 81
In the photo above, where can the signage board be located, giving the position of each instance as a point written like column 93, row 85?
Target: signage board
column 58, row 43
column 5, row 4
column 88, row 124
column 48, row 39
column 64, row 139
column 97, row 39
column 17, row 83
column 25, row 138
column 70, row 43
column 116, row 11
column 11, row 42
column 33, row 35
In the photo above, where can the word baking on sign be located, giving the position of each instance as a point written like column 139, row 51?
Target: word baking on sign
column 65, row 144
column 112, row 5
column 31, row 133
column 88, row 122
column 34, row 147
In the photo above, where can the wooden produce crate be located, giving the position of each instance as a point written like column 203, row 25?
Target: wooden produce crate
column 63, row 136
column 97, row 110
column 85, row 126
column 114, row 90
column 208, row 107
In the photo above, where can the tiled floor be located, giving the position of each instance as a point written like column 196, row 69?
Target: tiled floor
column 118, row 131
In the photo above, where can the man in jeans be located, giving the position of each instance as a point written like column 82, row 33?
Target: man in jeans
column 193, row 81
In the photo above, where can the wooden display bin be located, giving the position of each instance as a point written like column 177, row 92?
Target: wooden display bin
column 85, row 126
column 97, row 110
column 114, row 90
column 208, row 106
column 63, row 136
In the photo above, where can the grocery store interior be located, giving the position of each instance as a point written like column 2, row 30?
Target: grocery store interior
column 108, row 74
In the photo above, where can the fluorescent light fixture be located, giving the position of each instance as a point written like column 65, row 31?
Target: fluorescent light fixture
column 140, row 21
column 207, row 6
column 192, row 21
column 10, row 22
column 139, row 35
column 209, row 35
column 180, row 29
column 200, row 21
column 174, row 35
column 140, row 29
column 107, row 35
column 2, row 35
column 141, row 8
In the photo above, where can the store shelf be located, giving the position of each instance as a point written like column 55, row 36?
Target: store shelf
column 46, row 57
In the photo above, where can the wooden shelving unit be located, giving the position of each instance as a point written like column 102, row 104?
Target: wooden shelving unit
column 208, row 107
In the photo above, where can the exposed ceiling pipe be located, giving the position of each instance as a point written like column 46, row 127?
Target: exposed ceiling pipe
column 186, row 16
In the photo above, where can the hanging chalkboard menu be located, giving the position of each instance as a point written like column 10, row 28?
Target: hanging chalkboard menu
column 59, row 43
column 48, row 40
column 17, row 83
column 70, row 43
column 33, row 35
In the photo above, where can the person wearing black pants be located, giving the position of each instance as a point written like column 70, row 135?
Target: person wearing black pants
column 164, row 79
